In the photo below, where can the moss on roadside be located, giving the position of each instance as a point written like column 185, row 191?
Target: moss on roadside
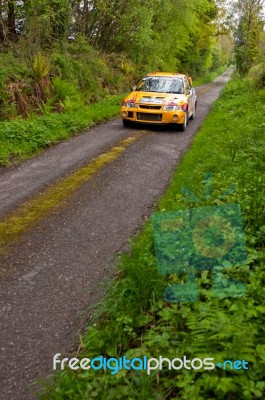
column 37, row 207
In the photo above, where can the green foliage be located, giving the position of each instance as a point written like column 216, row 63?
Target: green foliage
column 89, row 70
column 38, row 82
column 158, row 34
column 133, row 320
column 101, row 47
column 45, row 21
column 12, row 68
column 257, row 74
column 248, row 33
column 20, row 139
column 66, row 94
column 41, row 66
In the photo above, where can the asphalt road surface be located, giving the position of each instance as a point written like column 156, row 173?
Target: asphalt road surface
column 57, row 270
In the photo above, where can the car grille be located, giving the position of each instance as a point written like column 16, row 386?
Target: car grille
column 149, row 117
column 151, row 107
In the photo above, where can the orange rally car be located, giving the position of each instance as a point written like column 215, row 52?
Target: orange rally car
column 161, row 98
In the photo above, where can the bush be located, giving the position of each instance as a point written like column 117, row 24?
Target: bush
column 70, row 74
column 257, row 75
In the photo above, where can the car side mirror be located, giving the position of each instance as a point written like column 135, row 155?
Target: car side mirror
column 188, row 91
column 134, row 87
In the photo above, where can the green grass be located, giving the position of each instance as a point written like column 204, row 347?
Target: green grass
column 133, row 319
column 20, row 139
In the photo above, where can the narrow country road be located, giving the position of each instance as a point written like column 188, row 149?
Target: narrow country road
column 57, row 269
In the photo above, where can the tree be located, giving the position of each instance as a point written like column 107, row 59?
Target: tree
column 248, row 33
column 8, row 31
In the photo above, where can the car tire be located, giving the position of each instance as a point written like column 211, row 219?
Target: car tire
column 185, row 123
column 126, row 123
column 194, row 113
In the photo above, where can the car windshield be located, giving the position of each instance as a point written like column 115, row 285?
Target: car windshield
column 160, row 84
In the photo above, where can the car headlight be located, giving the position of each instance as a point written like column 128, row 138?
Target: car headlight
column 172, row 108
column 130, row 104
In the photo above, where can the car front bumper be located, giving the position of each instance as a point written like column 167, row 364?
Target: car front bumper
column 153, row 116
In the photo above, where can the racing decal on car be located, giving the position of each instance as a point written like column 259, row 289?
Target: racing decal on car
column 151, row 100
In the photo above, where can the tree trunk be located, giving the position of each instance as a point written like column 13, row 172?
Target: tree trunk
column 2, row 24
column 11, row 21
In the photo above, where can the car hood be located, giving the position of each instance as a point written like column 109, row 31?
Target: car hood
column 156, row 98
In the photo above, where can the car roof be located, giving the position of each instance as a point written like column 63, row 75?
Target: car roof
column 173, row 74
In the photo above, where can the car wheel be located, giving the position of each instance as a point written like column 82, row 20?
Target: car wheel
column 194, row 112
column 126, row 123
column 185, row 123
